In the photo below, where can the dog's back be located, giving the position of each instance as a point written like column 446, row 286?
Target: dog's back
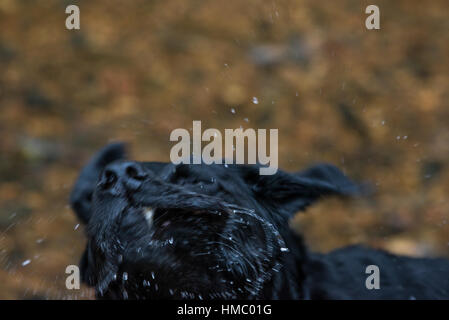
column 341, row 274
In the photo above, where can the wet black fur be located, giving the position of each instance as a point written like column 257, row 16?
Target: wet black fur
column 221, row 232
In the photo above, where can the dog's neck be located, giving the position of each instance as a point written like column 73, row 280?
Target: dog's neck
column 290, row 282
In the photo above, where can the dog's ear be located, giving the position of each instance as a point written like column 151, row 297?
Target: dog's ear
column 293, row 192
column 81, row 196
column 88, row 275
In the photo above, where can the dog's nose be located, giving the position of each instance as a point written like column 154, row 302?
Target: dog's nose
column 130, row 174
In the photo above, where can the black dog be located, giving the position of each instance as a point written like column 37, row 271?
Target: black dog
column 164, row 231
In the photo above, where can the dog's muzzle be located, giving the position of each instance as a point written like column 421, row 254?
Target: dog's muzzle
column 121, row 177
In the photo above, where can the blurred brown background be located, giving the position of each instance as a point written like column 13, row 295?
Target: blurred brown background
column 375, row 103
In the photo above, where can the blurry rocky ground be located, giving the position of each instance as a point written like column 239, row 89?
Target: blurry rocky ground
column 375, row 103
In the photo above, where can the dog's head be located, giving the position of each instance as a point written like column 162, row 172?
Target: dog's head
column 158, row 230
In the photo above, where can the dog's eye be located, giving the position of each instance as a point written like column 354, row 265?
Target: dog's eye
column 188, row 174
column 200, row 181
column 163, row 218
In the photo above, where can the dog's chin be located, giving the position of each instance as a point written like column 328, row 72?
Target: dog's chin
column 165, row 252
column 158, row 273
column 179, row 253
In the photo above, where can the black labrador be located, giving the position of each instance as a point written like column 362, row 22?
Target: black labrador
column 163, row 231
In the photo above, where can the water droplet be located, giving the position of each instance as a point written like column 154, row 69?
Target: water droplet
column 255, row 100
column 125, row 276
column 76, row 226
column 285, row 249
column 232, row 110
column 152, row 274
column 26, row 262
